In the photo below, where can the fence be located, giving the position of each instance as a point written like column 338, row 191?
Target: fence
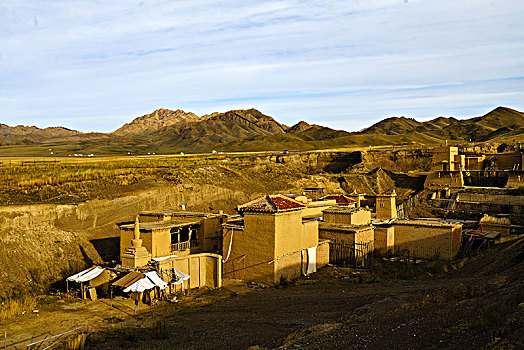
column 404, row 209
column 56, row 339
column 349, row 254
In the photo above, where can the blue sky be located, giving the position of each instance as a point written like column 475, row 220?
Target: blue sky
column 95, row 65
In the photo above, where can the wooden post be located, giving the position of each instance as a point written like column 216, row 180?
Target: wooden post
column 199, row 269
column 67, row 286
column 111, row 296
column 189, row 273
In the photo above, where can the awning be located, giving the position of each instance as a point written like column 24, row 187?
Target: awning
column 87, row 275
column 128, row 279
column 150, row 280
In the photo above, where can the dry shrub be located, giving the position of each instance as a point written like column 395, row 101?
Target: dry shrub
column 75, row 342
column 14, row 307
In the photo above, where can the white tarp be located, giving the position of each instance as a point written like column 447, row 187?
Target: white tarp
column 165, row 258
column 86, row 275
column 181, row 277
column 311, row 260
column 150, row 280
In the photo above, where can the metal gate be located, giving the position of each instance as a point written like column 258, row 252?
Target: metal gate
column 350, row 254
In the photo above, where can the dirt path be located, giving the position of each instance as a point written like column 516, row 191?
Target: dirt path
column 60, row 316
column 265, row 317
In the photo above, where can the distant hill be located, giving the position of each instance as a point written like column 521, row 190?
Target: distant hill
column 502, row 122
column 155, row 121
column 299, row 127
column 166, row 131
column 26, row 135
column 218, row 128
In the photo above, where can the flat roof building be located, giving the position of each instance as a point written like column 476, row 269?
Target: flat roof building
column 273, row 241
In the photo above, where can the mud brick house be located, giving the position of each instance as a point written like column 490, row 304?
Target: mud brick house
column 171, row 241
column 347, row 233
column 454, row 170
column 347, row 216
column 388, row 234
column 427, row 239
column 167, row 232
column 273, row 240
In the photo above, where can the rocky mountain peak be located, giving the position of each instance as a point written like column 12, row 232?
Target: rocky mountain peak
column 157, row 120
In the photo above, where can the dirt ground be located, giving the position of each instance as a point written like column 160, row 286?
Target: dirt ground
column 475, row 304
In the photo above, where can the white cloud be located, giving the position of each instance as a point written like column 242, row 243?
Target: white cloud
column 337, row 63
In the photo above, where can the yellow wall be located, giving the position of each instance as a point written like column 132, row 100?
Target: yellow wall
column 315, row 208
column 322, row 253
column 507, row 160
column 205, row 269
column 384, row 240
column 358, row 217
column 474, row 163
column 292, row 236
column 339, row 218
column 160, row 243
column 386, row 207
column 447, row 154
column 125, row 240
column 251, row 250
column 427, row 242
column 348, row 237
column 269, row 246
column 209, row 227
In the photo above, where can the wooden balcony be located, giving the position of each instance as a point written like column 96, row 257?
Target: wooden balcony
column 179, row 247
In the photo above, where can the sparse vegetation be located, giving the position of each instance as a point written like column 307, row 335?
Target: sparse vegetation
column 13, row 307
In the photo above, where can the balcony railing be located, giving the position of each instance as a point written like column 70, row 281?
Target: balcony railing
column 177, row 247
column 194, row 243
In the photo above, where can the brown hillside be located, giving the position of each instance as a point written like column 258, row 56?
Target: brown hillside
column 219, row 128
column 166, row 131
column 299, row 127
column 14, row 135
column 498, row 123
column 155, row 121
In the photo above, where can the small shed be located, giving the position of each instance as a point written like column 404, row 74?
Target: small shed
column 89, row 279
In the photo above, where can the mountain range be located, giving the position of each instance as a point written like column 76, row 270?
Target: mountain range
column 167, row 131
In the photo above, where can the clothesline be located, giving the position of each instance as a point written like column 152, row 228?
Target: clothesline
column 283, row 256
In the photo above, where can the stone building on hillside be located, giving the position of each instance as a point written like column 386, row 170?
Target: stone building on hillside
column 273, row 240
column 454, row 169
